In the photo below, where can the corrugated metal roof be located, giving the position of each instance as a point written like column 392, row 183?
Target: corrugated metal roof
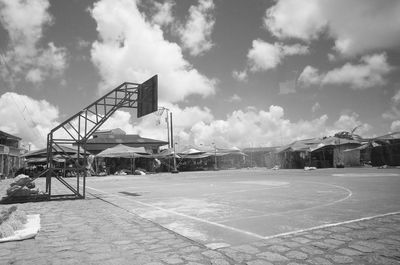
column 7, row 135
column 124, row 139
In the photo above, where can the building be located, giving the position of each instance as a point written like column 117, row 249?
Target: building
column 104, row 139
column 10, row 154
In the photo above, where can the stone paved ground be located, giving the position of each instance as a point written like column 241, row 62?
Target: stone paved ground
column 92, row 231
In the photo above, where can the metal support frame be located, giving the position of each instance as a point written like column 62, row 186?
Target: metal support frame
column 77, row 130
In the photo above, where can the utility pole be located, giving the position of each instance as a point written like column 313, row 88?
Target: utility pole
column 215, row 156
column 174, row 170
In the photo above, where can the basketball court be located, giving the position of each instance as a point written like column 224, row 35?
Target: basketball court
column 230, row 207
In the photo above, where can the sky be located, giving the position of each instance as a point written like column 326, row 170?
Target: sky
column 233, row 72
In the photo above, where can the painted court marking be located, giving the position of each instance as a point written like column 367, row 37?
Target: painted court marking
column 254, row 235
column 331, row 225
column 366, row 175
column 185, row 215
column 349, row 194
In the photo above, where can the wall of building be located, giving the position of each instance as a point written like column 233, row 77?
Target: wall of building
column 347, row 159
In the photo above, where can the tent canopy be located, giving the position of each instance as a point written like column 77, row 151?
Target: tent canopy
column 59, row 149
column 123, row 151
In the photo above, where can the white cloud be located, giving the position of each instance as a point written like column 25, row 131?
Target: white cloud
column 369, row 73
column 240, row 128
column 240, row 75
column 154, row 126
column 395, row 126
column 131, row 49
column 357, row 26
column 235, row 98
column 394, row 112
column 163, row 13
column 196, row 33
column 293, row 18
column 27, row 118
column 315, row 107
column 396, row 97
column 264, row 56
column 24, row 22
column 310, row 76
column 347, row 122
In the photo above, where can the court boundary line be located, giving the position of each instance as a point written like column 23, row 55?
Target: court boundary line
column 331, row 225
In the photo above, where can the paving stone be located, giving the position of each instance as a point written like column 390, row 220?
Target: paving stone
column 322, row 232
column 278, row 248
column 173, row 260
column 361, row 248
column 296, row 255
column 348, row 252
column 247, row 249
column 312, row 250
column 212, row 254
column 219, row 262
column 364, row 235
column 341, row 259
column 193, row 257
column 312, row 236
column 122, row 242
column 319, row 261
column 388, row 241
column 322, row 245
column 5, row 252
column 371, row 245
column 191, row 249
column 301, row 240
column 258, row 262
column 261, row 243
column 270, row 256
column 339, row 229
column 395, row 237
column 334, row 242
column 341, row 237
column 295, row 263
column 236, row 256
column 291, row 244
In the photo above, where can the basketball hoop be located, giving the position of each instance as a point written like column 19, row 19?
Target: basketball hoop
column 159, row 114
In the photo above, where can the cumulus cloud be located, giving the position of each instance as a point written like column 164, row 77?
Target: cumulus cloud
column 396, row 97
column 154, row 126
column 357, row 26
column 394, row 112
column 196, row 33
column 315, row 107
column 347, row 122
column 395, row 126
column 240, row 75
column 370, row 72
column 26, row 59
column 264, row 56
column 163, row 13
column 234, row 98
column 131, row 49
column 27, row 118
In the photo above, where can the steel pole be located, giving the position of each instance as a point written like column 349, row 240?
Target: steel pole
column 174, row 170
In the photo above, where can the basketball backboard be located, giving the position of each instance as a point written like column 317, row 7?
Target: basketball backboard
column 147, row 97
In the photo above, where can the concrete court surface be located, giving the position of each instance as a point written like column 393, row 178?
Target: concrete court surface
column 231, row 207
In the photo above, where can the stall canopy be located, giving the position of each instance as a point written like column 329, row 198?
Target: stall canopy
column 124, row 151
column 59, row 150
